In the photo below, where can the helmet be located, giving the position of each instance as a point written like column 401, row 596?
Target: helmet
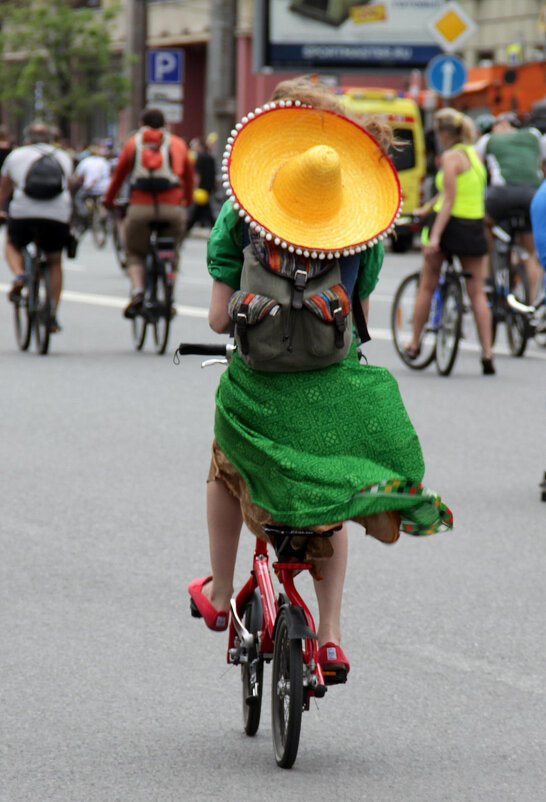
column 484, row 123
column 510, row 117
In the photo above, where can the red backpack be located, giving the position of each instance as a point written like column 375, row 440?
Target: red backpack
column 152, row 170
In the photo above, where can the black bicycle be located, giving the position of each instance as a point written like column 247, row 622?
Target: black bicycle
column 508, row 279
column 157, row 308
column 444, row 327
column 33, row 307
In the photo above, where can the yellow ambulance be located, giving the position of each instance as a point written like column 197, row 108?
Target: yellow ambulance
column 404, row 116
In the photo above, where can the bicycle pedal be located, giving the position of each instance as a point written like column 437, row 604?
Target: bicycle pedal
column 252, row 701
column 194, row 611
column 334, row 676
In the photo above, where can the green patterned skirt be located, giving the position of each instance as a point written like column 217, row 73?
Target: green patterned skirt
column 324, row 446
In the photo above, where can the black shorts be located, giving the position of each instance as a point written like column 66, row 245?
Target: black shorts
column 50, row 235
column 501, row 203
column 462, row 236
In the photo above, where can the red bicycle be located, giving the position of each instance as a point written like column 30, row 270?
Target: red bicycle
column 266, row 627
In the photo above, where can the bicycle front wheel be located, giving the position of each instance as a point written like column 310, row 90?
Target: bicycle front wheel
column 517, row 325
column 402, row 325
column 286, row 693
column 139, row 328
column 252, row 671
column 43, row 310
column 162, row 324
column 450, row 328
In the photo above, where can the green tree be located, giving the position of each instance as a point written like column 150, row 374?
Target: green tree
column 57, row 61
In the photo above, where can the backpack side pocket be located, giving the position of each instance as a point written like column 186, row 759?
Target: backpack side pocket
column 333, row 308
column 247, row 310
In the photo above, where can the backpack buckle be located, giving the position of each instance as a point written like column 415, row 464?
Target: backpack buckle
column 300, row 280
column 241, row 326
column 339, row 322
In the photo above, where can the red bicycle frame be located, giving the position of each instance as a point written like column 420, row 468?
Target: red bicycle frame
column 260, row 577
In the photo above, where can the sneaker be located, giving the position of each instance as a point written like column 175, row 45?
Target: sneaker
column 16, row 288
column 134, row 305
column 54, row 325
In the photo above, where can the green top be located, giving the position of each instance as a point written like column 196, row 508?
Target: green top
column 470, row 187
column 513, row 158
column 225, row 255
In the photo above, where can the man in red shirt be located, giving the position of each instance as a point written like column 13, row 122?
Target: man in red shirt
column 160, row 173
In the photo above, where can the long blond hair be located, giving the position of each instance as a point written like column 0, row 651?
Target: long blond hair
column 316, row 94
column 459, row 126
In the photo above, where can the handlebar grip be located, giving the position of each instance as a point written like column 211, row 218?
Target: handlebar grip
column 204, row 349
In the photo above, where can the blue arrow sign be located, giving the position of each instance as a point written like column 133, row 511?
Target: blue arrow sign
column 446, row 75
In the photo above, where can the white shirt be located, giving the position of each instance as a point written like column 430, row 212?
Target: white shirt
column 16, row 167
column 95, row 171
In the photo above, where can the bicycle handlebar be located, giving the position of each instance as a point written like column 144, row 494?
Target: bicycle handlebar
column 205, row 349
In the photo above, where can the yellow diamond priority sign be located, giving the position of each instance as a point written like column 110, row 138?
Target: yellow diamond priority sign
column 450, row 26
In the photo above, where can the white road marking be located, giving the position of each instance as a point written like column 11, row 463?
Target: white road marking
column 115, row 302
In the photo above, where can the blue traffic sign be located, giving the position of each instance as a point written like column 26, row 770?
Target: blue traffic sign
column 446, row 75
column 165, row 66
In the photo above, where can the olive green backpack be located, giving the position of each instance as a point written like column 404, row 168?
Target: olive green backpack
column 292, row 313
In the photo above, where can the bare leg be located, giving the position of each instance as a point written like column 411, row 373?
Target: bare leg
column 136, row 277
column 14, row 258
column 224, row 523
column 477, row 266
column 55, row 277
column 532, row 265
column 329, row 589
column 428, row 281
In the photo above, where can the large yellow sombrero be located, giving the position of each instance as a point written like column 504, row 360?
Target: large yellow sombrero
column 311, row 180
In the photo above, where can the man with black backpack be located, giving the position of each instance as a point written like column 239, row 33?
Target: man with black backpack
column 160, row 173
column 35, row 176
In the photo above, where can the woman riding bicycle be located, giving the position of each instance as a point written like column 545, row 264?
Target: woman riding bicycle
column 316, row 447
column 456, row 228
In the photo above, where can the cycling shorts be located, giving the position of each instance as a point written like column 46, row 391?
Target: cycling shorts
column 137, row 231
column 501, row 203
column 51, row 235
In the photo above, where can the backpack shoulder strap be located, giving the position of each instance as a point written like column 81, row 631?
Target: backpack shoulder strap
column 359, row 317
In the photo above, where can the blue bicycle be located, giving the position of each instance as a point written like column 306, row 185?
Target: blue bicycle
column 444, row 328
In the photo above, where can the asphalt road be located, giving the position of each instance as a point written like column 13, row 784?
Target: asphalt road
column 111, row 692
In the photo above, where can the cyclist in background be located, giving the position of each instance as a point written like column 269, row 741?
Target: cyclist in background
column 455, row 227
column 34, row 218
column 513, row 159
column 538, row 221
column 160, row 173
column 91, row 177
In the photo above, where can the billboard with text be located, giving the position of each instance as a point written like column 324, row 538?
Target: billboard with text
column 339, row 34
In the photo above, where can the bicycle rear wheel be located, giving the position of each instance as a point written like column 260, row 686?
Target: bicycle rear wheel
column 517, row 324
column 450, row 328
column 252, row 670
column 402, row 325
column 139, row 329
column 43, row 310
column 22, row 321
column 163, row 300
column 286, row 693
